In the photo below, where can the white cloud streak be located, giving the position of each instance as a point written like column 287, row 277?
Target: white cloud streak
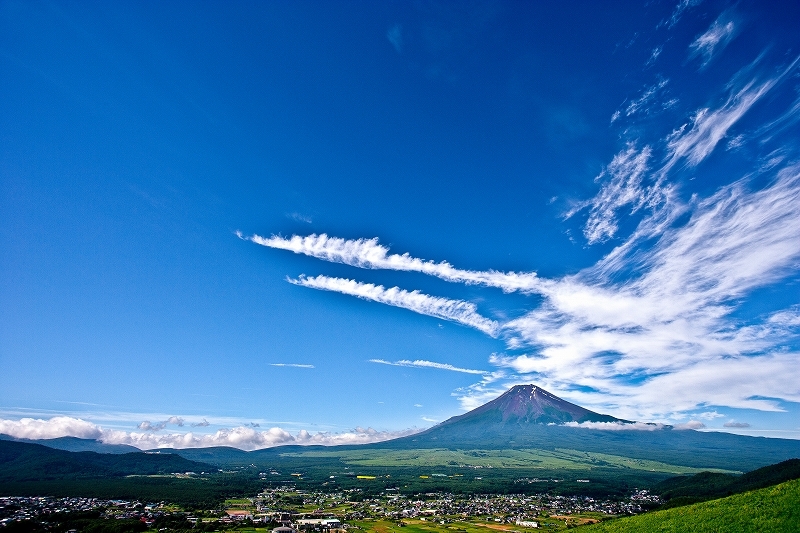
column 428, row 364
column 717, row 37
column 630, row 180
column 292, row 365
column 368, row 253
column 455, row 310
column 623, row 186
column 395, row 36
column 648, row 99
column 666, row 325
column 694, row 141
column 650, row 331
column 679, row 10
column 242, row 437
column 670, row 325
column 615, row 426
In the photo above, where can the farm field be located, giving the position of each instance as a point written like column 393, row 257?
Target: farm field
column 553, row 523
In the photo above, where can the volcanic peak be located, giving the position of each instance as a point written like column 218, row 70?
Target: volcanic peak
column 530, row 404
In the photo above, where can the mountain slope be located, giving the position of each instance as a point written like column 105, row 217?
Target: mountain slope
column 75, row 444
column 683, row 490
column 527, row 416
column 22, row 461
column 768, row 510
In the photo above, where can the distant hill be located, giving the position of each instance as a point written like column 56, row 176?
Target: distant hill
column 683, row 490
column 770, row 510
column 22, row 461
column 75, row 444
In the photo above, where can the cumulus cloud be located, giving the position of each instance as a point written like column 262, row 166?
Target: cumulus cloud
column 710, row 415
column 243, row 437
column 158, row 426
column 368, row 253
column 716, row 37
column 691, row 424
column 428, row 364
column 455, row 310
column 202, row 424
column 737, row 425
column 58, row 426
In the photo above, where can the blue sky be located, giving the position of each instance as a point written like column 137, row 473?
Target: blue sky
column 274, row 222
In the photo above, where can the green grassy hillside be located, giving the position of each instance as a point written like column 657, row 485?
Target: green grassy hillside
column 774, row 509
column 22, row 461
column 685, row 490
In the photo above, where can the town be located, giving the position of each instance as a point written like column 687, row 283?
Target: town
column 290, row 509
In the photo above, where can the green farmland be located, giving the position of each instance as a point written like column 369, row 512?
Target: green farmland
column 478, row 459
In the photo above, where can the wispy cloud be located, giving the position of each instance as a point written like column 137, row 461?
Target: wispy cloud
column 650, row 98
column 395, row 36
column 695, row 140
column 455, row 310
column 292, row 365
column 716, row 37
column 654, row 55
column 428, row 364
column 652, row 331
column 246, row 437
column 678, row 12
column 634, row 179
column 299, row 217
column 623, row 185
column 368, row 253
column 670, row 325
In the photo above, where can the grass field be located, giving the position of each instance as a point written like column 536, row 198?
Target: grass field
column 523, row 458
column 554, row 523
column 771, row 510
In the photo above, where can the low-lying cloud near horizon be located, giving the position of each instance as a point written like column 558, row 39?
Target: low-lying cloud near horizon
column 242, row 437
column 653, row 330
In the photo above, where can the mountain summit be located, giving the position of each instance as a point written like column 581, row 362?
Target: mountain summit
column 525, row 414
column 529, row 404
